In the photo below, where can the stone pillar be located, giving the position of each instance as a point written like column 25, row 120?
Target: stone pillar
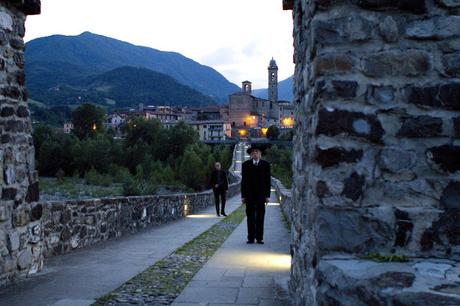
column 377, row 150
column 20, row 230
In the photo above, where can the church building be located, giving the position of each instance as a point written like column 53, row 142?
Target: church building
column 249, row 115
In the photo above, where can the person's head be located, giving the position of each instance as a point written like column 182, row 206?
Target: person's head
column 256, row 154
column 218, row 166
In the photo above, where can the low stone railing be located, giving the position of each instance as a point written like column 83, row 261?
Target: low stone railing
column 285, row 197
column 69, row 225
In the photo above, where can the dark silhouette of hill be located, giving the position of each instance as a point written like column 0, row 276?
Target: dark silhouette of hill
column 126, row 87
column 69, row 60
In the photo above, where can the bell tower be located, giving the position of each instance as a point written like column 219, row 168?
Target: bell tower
column 273, row 81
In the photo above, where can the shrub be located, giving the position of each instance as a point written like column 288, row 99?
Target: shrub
column 92, row 177
column 131, row 188
column 60, row 176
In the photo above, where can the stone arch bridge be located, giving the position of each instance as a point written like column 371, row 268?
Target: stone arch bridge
column 376, row 151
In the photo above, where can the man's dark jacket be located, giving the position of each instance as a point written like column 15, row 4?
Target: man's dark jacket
column 256, row 181
column 221, row 176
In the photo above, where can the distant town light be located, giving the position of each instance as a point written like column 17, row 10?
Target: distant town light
column 94, row 126
column 242, row 133
column 287, row 121
column 264, row 131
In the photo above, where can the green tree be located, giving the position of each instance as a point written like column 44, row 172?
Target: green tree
column 191, row 170
column 179, row 137
column 41, row 134
column 273, row 132
column 55, row 153
column 94, row 153
column 281, row 161
column 87, row 120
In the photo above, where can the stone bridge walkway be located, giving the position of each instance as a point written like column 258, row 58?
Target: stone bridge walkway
column 238, row 273
column 242, row 274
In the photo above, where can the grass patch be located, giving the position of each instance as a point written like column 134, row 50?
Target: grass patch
column 75, row 188
column 385, row 258
column 161, row 283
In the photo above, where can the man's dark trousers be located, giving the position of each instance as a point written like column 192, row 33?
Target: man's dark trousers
column 255, row 213
column 219, row 193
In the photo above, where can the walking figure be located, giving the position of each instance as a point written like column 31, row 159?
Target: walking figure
column 255, row 192
column 219, row 183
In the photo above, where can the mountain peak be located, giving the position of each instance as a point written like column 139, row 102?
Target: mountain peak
column 64, row 60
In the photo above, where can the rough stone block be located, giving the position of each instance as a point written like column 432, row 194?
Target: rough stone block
column 449, row 3
column 17, row 43
column 334, row 122
column 414, row 6
column 425, row 299
column 352, row 28
column 397, row 160
column 36, row 212
column 13, row 241
column 334, row 156
column 11, row 92
column 403, row 228
column 22, row 112
column 333, row 64
column 32, row 193
column 353, row 186
column 456, row 126
column 321, row 189
column 380, row 95
column 25, row 259
column 9, row 193
column 5, row 212
column 452, row 64
column 354, row 281
column 31, row 7
column 389, row 30
column 65, row 234
column 6, row 22
column 7, row 111
column 447, row 157
column 436, row 28
column 422, row 126
column 439, row 96
column 344, row 89
column 450, row 200
column 444, row 233
column 396, row 63
column 20, row 217
column 351, row 231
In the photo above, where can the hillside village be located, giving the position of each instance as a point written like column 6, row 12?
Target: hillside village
column 245, row 116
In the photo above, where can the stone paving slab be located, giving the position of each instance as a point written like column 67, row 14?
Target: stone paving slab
column 262, row 271
column 79, row 277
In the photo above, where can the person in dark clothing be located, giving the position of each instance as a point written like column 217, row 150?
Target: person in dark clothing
column 255, row 192
column 219, row 183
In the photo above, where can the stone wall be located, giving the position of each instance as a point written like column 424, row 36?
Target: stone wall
column 376, row 162
column 69, row 225
column 285, row 198
column 20, row 232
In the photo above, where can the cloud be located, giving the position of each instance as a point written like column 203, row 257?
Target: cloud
column 222, row 56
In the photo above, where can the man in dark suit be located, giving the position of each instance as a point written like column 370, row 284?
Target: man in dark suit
column 255, row 192
column 219, row 183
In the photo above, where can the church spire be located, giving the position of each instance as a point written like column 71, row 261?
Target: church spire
column 273, row 81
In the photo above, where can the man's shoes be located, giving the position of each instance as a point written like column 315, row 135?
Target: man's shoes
column 260, row 242
column 218, row 215
column 250, row 241
column 224, row 214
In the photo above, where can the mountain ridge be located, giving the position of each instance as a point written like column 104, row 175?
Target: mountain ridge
column 58, row 59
